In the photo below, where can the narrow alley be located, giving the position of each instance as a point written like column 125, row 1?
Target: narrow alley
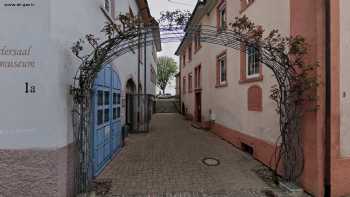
column 168, row 160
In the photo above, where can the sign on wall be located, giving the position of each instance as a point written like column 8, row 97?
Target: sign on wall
column 24, row 71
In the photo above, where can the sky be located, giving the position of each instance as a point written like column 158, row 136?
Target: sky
column 168, row 49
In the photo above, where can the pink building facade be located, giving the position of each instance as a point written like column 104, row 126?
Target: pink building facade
column 228, row 91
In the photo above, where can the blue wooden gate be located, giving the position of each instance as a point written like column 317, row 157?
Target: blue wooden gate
column 106, row 127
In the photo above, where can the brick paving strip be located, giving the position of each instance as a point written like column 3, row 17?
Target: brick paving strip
column 167, row 161
column 196, row 194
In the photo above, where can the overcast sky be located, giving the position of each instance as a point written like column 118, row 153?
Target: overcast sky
column 157, row 6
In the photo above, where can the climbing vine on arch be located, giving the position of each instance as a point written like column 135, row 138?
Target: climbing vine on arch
column 284, row 56
column 93, row 55
column 294, row 93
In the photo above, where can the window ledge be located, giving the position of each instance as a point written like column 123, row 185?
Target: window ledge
column 250, row 80
column 255, row 109
column 222, row 85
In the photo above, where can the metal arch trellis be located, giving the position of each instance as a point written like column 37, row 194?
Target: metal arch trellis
column 123, row 41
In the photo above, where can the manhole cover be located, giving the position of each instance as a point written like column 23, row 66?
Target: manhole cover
column 208, row 161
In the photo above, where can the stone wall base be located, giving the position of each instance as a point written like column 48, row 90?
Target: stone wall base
column 262, row 150
column 35, row 172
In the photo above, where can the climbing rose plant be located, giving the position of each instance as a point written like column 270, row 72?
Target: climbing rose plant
column 295, row 92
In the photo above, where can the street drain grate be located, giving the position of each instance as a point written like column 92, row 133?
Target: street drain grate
column 209, row 161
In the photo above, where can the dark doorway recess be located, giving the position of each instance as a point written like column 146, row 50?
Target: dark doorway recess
column 198, row 107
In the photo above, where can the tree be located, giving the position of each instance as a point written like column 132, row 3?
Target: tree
column 166, row 70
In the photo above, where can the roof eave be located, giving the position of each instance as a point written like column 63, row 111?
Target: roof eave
column 206, row 7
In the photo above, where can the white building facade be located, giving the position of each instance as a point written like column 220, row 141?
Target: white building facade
column 36, row 71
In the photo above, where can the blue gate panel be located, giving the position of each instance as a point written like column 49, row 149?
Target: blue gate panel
column 106, row 127
column 108, row 77
column 99, row 81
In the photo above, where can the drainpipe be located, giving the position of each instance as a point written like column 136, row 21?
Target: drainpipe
column 145, row 97
column 327, row 159
column 138, row 79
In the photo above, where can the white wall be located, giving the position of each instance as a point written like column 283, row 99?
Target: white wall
column 29, row 120
column 43, row 119
column 263, row 125
column 345, row 81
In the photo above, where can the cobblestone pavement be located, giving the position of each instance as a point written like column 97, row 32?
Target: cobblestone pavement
column 167, row 162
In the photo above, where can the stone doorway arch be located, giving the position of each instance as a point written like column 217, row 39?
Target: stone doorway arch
column 130, row 110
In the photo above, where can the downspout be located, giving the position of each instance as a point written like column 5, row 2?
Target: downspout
column 138, row 79
column 145, row 97
column 327, row 159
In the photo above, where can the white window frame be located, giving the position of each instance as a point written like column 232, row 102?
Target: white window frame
column 248, row 65
column 190, row 82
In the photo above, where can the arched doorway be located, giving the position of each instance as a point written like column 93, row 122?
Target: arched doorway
column 130, row 115
column 106, row 119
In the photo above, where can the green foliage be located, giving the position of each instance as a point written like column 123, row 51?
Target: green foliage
column 93, row 53
column 166, row 70
column 175, row 18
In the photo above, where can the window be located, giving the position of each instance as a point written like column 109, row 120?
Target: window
column 251, row 70
column 197, row 40
column 190, row 52
column 118, row 112
column 197, row 77
column 99, row 97
column 114, row 113
column 221, row 70
column 99, row 117
column 106, row 98
column 184, row 59
column 184, row 85
column 255, row 98
column 190, row 82
column 108, row 106
column 103, row 105
column 106, row 115
column 107, row 5
column 253, row 66
column 118, row 99
column 221, row 16
column 114, row 98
